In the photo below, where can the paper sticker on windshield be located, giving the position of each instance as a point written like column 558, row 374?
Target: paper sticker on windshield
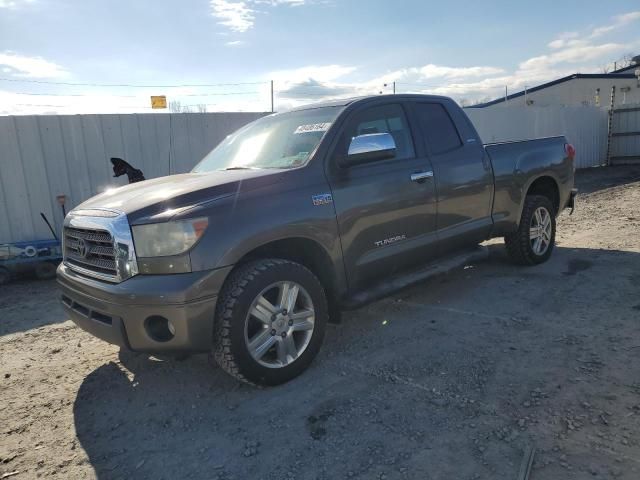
column 313, row 127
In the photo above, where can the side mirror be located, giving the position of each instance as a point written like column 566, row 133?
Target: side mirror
column 369, row 148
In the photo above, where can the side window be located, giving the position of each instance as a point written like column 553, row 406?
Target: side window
column 437, row 127
column 383, row 119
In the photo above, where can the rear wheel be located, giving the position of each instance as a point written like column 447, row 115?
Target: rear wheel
column 534, row 240
column 270, row 321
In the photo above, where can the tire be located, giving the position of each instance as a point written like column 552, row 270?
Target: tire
column 523, row 249
column 251, row 311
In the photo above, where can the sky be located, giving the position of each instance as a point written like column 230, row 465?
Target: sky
column 110, row 56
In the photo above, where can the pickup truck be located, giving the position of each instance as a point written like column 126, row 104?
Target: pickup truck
column 297, row 215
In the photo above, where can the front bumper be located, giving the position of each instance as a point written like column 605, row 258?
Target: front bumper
column 119, row 313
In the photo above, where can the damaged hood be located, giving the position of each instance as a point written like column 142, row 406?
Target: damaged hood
column 161, row 198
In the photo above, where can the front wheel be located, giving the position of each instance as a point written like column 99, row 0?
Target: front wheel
column 270, row 321
column 534, row 240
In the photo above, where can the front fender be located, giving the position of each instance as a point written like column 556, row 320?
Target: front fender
column 240, row 224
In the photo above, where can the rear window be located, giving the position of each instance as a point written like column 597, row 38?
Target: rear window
column 438, row 128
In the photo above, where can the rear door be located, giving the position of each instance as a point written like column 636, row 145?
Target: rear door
column 383, row 216
column 462, row 174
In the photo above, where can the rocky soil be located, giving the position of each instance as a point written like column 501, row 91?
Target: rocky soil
column 451, row 379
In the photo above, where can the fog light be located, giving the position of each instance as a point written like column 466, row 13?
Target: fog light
column 159, row 328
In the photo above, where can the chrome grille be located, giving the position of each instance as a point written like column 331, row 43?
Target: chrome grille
column 90, row 250
column 98, row 243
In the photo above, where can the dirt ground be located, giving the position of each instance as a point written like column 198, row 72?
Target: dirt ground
column 450, row 379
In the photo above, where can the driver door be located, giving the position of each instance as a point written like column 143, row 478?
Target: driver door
column 386, row 215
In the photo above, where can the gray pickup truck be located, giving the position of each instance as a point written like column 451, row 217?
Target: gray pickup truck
column 296, row 216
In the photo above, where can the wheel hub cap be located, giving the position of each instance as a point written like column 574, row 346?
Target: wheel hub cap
column 280, row 324
column 540, row 231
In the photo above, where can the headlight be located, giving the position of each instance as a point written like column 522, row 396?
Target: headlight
column 169, row 238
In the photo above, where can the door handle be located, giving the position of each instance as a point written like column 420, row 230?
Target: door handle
column 421, row 176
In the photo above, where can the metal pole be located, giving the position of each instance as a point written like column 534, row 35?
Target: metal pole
column 612, row 105
column 506, row 94
column 525, row 95
column 394, row 87
column 272, row 110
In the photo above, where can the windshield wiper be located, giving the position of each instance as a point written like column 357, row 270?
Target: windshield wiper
column 241, row 168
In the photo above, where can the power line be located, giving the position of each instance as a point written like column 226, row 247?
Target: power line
column 438, row 86
column 132, row 85
column 68, row 106
column 119, row 106
column 71, row 95
column 132, row 96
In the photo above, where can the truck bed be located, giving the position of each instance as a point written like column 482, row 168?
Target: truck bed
column 515, row 164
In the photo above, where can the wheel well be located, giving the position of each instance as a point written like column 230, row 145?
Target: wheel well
column 305, row 252
column 547, row 187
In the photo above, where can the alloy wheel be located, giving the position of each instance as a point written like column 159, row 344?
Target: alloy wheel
column 540, row 231
column 280, row 324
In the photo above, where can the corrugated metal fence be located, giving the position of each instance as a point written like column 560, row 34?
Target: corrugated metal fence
column 45, row 156
column 584, row 127
column 625, row 135
column 48, row 155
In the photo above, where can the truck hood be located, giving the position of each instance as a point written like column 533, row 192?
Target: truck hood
column 162, row 198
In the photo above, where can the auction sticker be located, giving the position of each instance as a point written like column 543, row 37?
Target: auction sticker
column 313, row 127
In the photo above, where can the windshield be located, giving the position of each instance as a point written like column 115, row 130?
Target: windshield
column 285, row 140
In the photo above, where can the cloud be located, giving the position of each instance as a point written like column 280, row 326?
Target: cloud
column 574, row 52
column 619, row 21
column 276, row 3
column 235, row 43
column 322, row 73
column 431, row 71
column 569, row 52
column 438, row 71
column 315, row 83
column 14, row 4
column 313, row 89
column 32, row 67
column 237, row 16
column 563, row 39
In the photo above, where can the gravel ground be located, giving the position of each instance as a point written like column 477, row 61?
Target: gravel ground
column 451, row 379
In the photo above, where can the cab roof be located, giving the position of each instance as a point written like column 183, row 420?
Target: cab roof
column 343, row 102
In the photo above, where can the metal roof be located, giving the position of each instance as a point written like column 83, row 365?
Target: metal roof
column 630, row 68
column 555, row 82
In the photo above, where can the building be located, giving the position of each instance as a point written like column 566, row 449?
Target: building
column 579, row 89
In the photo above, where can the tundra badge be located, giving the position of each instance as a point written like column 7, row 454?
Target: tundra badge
column 389, row 241
column 322, row 199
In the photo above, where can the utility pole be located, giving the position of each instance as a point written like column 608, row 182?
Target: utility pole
column 272, row 96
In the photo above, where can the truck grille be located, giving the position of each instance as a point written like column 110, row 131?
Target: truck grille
column 90, row 250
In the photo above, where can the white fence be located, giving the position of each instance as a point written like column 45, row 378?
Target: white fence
column 45, row 156
column 584, row 127
column 48, row 155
